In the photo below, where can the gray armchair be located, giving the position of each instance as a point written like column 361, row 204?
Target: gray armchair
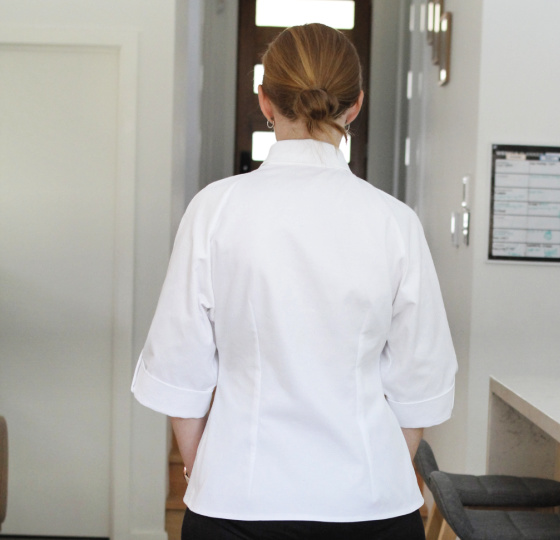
column 492, row 489
column 471, row 524
column 484, row 491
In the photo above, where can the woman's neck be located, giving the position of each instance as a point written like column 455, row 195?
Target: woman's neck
column 285, row 129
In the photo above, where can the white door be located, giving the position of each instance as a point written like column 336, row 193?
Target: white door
column 58, row 178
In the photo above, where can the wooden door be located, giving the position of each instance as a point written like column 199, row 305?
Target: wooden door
column 252, row 42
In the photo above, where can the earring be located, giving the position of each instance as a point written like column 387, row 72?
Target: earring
column 347, row 129
column 270, row 124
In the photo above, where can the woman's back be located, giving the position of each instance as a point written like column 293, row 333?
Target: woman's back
column 299, row 265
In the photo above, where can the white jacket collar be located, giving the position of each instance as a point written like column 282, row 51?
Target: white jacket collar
column 306, row 152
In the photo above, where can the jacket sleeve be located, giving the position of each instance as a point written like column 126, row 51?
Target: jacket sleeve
column 418, row 362
column 177, row 369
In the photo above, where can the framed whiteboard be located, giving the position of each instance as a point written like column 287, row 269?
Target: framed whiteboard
column 525, row 209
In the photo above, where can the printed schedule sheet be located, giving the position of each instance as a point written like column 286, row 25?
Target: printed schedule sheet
column 525, row 205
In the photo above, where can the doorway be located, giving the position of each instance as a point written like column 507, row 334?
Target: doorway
column 260, row 21
column 384, row 122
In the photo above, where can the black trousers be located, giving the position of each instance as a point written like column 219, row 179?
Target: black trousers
column 198, row 527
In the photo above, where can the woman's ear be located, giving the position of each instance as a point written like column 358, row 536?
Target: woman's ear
column 353, row 111
column 266, row 105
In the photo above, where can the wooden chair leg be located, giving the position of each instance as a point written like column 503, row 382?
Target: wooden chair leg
column 433, row 526
column 446, row 532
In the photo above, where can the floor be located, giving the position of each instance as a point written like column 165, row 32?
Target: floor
column 173, row 523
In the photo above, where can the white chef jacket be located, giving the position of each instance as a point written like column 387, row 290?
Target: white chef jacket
column 309, row 300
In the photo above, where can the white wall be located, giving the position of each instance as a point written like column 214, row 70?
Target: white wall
column 443, row 149
column 129, row 486
column 503, row 89
column 515, row 308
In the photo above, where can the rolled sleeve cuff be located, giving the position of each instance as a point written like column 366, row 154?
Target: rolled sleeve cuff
column 168, row 399
column 423, row 414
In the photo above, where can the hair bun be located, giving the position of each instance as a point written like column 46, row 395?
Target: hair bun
column 312, row 74
column 316, row 104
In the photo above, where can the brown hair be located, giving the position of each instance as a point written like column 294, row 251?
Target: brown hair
column 312, row 72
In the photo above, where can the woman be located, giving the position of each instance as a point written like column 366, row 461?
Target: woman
column 308, row 300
